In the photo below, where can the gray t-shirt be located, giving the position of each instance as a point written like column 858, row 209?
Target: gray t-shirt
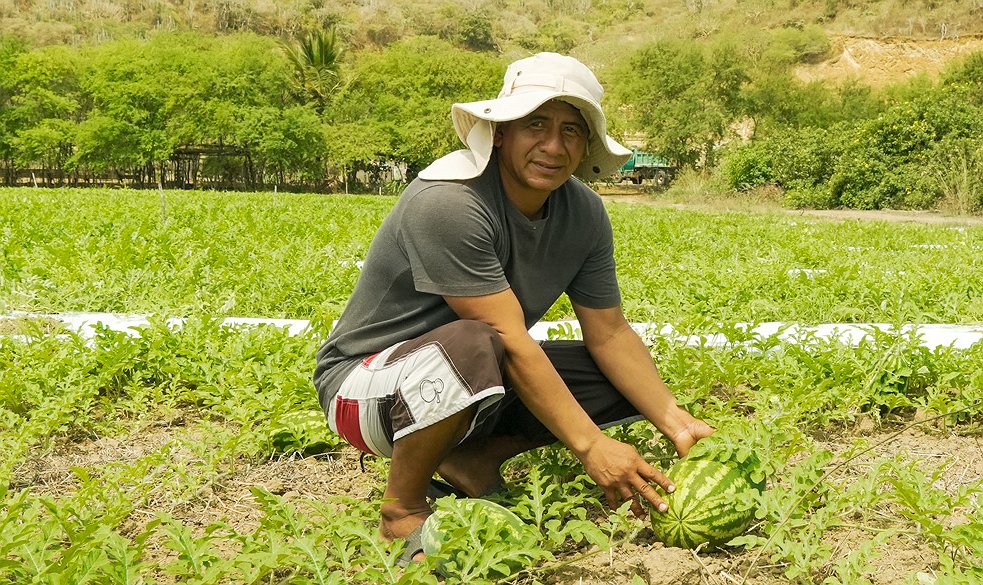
column 465, row 238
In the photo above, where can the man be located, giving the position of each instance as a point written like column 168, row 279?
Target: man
column 431, row 362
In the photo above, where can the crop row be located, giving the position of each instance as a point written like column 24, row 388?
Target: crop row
column 296, row 256
column 229, row 400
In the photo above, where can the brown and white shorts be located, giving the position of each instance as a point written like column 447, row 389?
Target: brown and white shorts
column 416, row 383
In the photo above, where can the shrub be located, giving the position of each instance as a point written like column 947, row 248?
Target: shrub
column 885, row 160
column 748, row 166
column 955, row 170
column 805, row 157
column 815, row 197
column 969, row 75
column 793, row 158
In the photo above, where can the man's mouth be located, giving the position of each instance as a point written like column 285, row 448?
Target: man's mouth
column 549, row 168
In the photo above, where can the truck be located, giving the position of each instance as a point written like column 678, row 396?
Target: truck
column 645, row 166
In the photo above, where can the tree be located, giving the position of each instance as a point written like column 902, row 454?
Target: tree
column 281, row 143
column 315, row 59
column 103, row 144
column 10, row 49
column 405, row 93
column 176, row 90
column 47, row 146
column 44, row 106
column 680, row 98
column 351, row 145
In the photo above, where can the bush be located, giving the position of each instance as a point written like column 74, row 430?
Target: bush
column 793, row 158
column 815, row 197
column 886, row 159
column 968, row 74
column 748, row 167
column 855, row 180
column 805, row 157
column 956, row 172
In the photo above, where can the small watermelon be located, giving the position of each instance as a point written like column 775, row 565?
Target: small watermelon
column 457, row 513
column 473, row 538
column 712, row 503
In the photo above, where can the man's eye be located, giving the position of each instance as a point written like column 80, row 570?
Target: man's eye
column 573, row 130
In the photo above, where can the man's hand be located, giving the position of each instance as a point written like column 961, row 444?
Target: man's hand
column 687, row 431
column 623, row 474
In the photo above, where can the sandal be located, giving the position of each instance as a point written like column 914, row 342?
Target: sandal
column 440, row 489
column 414, row 546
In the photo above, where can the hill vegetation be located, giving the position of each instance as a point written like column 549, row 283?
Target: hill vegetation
column 591, row 27
column 325, row 95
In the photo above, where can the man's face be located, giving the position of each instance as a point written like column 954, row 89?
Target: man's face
column 539, row 152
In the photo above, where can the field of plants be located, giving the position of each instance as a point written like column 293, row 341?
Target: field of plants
column 196, row 453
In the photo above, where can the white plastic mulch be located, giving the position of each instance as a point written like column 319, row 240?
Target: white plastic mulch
column 929, row 335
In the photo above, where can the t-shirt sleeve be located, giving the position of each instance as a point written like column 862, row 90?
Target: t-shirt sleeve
column 596, row 283
column 449, row 239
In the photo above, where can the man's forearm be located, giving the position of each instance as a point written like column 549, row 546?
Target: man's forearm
column 626, row 362
column 544, row 393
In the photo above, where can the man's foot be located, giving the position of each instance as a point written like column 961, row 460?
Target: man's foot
column 399, row 522
column 413, row 553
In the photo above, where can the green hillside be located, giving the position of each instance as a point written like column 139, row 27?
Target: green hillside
column 597, row 28
column 328, row 96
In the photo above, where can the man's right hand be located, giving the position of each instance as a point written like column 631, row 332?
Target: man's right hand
column 623, row 474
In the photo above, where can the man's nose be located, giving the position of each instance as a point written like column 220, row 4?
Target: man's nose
column 552, row 141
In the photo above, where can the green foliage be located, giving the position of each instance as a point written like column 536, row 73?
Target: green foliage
column 471, row 541
column 406, row 91
column 47, row 145
column 777, row 101
column 681, row 97
column 316, row 60
column 190, row 264
column 749, row 166
column 203, row 411
column 463, row 27
column 372, row 86
column 303, row 432
column 282, row 142
column 956, row 173
column 123, row 109
column 801, row 161
column 884, row 163
column 105, row 144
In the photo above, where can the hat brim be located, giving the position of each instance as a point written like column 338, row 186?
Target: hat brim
column 605, row 155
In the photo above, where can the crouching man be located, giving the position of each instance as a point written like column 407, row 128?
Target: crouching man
column 431, row 363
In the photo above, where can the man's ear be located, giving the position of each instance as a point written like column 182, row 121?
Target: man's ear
column 499, row 133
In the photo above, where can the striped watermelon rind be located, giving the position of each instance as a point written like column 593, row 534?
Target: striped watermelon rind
column 712, row 503
column 498, row 521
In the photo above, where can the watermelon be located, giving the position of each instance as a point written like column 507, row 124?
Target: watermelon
column 712, row 503
column 473, row 538
column 495, row 520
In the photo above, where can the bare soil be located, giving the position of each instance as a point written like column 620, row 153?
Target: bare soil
column 882, row 61
column 229, row 499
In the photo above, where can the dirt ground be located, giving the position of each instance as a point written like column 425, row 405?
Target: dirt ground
column 304, row 479
column 881, row 61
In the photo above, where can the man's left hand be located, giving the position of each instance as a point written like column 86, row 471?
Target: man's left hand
column 690, row 431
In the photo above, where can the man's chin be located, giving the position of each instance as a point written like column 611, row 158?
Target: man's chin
column 550, row 183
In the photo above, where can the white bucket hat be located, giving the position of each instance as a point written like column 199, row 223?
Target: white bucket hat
column 529, row 83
